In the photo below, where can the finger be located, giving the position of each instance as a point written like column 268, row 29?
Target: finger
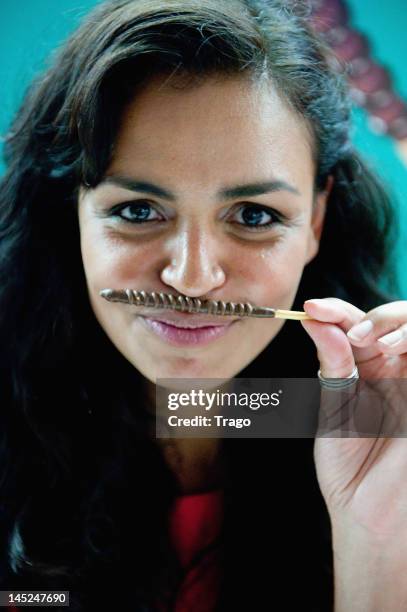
column 395, row 343
column 333, row 348
column 337, row 360
column 334, row 310
column 347, row 317
column 385, row 320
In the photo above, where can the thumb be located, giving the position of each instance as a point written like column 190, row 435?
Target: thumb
column 333, row 348
column 336, row 415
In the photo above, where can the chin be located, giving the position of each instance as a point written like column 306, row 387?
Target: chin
column 184, row 367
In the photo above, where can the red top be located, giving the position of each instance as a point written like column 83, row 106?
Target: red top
column 195, row 522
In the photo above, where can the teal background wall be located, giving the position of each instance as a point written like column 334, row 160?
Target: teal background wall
column 30, row 30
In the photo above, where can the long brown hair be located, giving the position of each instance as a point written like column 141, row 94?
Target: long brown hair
column 84, row 494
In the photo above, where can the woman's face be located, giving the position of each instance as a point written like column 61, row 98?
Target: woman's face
column 210, row 195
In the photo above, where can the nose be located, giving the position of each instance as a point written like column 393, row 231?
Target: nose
column 195, row 268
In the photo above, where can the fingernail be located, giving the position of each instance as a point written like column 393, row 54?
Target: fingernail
column 361, row 330
column 392, row 339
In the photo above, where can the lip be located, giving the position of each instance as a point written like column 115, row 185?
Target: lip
column 176, row 335
column 188, row 320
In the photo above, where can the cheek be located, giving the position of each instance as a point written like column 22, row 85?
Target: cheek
column 273, row 276
column 112, row 261
column 274, row 271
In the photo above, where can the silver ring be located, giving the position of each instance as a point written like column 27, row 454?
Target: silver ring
column 339, row 383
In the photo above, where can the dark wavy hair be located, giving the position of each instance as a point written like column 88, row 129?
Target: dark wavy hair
column 84, row 491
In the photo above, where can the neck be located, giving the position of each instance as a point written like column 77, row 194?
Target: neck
column 197, row 463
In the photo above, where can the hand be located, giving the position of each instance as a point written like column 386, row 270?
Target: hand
column 363, row 480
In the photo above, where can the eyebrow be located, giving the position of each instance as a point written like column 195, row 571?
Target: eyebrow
column 227, row 193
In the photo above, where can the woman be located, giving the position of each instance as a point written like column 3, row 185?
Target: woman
column 201, row 149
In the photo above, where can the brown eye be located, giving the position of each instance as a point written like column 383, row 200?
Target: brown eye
column 254, row 216
column 135, row 212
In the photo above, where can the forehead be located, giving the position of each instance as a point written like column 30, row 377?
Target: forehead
column 216, row 130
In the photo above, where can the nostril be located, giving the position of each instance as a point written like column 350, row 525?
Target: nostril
column 193, row 277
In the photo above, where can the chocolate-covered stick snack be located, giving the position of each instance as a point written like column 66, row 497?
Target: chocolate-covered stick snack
column 187, row 304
